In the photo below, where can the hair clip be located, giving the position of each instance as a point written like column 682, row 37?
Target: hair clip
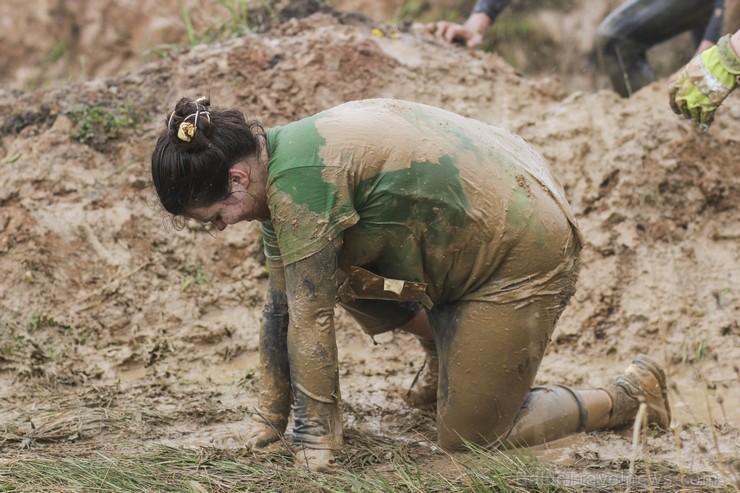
column 185, row 131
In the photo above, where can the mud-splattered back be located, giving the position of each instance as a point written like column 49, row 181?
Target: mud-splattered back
column 420, row 193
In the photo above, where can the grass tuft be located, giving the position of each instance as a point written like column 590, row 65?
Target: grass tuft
column 168, row 469
column 95, row 124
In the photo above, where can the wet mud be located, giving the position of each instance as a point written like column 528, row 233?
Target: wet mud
column 119, row 330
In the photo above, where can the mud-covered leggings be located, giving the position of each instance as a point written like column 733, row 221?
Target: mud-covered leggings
column 489, row 354
column 629, row 31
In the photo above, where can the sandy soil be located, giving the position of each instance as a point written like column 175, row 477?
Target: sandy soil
column 109, row 312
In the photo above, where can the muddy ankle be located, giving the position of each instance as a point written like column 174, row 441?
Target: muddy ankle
column 624, row 407
column 423, row 390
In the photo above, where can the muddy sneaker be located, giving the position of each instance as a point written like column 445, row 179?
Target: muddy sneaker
column 642, row 381
column 423, row 392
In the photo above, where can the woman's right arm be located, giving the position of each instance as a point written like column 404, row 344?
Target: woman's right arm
column 274, row 399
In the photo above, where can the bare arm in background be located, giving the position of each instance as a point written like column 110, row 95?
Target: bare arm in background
column 471, row 33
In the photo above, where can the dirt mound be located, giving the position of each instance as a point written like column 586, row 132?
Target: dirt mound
column 104, row 304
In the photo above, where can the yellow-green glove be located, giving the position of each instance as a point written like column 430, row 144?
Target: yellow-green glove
column 705, row 82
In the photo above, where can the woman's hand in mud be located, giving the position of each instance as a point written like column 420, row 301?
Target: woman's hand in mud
column 260, row 435
column 316, row 460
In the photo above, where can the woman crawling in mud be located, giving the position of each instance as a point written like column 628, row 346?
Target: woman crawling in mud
column 412, row 218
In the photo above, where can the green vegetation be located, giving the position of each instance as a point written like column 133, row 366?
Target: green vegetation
column 694, row 352
column 11, row 158
column 29, row 349
column 185, row 13
column 57, row 52
column 161, row 51
column 11, row 345
column 236, row 23
column 166, row 469
column 194, row 276
column 238, row 11
column 93, row 123
column 414, row 11
column 518, row 26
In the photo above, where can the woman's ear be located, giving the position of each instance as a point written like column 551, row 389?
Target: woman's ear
column 239, row 176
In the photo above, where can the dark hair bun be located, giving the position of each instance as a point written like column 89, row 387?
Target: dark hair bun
column 190, row 121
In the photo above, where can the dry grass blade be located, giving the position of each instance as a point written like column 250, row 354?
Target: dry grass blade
column 72, row 425
column 60, row 426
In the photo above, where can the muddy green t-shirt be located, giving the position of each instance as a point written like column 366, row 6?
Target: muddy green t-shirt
column 419, row 194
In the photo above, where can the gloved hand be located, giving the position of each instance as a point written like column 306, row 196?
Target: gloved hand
column 705, row 82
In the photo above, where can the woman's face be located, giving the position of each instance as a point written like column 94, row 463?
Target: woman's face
column 240, row 205
column 222, row 213
column 246, row 201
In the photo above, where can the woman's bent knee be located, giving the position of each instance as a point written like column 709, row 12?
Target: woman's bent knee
column 453, row 432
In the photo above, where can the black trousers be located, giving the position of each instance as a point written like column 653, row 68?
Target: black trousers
column 628, row 32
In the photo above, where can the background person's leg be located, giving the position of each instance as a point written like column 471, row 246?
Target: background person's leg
column 628, row 32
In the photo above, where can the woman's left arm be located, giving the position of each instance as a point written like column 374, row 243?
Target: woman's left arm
column 311, row 286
